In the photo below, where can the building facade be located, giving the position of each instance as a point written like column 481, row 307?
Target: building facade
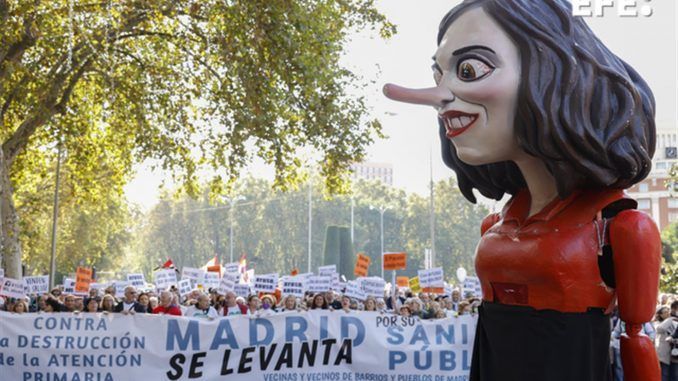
column 656, row 195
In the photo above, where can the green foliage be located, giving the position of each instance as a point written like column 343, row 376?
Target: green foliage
column 197, row 86
column 669, row 278
column 271, row 228
column 668, row 282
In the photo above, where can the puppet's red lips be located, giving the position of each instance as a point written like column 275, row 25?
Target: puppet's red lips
column 456, row 122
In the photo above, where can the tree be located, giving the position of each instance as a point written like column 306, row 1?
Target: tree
column 194, row 85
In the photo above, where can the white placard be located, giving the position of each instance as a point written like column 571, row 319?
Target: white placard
column 242, row 290
column 97, row 286
column 69, row 286
column 196, row 276
column 2, row 273
column 294, row 286
column 265, row 283
column 373, row 286
column 185, row 287
column 36, row 284
column 120, row 286
column 472, row 286
column 165, row 278
column 232, row 268
column 227, row 282
column 327, row 270
column 336, row 283
column 210, row 280
column 354, row 290
column 12, row 288
column 431, row 278
column 317, row 283
column 137, row 280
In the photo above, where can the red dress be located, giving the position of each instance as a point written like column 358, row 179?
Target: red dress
column 545, row 305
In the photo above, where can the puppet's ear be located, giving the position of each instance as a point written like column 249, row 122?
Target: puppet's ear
column 432, row 96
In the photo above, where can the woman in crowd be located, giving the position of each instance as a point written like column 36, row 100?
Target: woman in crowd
column 20, row 307
column 346, row 303
column 144, row 300
column 268, row 305
column 92, row 305
column 107, row 303
column 319, row 302
column 253, row 304
column 289, row 303
column 370, row 304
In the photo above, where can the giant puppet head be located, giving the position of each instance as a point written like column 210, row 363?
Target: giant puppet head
column 522, row 79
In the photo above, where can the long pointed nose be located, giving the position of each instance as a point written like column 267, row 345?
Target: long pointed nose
column 432, row 96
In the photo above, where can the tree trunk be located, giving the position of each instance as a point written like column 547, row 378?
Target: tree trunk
column 11, row 247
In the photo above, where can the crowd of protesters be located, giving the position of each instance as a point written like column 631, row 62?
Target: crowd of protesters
column 663, row 329
column 211, row 304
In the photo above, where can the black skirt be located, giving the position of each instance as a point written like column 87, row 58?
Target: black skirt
column 516, row 343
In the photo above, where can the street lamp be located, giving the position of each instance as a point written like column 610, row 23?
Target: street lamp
column 232, row 201
column 382, row 210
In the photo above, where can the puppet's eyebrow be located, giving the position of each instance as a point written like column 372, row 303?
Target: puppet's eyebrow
column 471, row 47
column 435, row 65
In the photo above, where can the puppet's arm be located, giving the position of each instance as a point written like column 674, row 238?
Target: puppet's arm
column 636, row 250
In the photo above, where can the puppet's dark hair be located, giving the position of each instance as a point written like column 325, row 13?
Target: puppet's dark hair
column 580, row 108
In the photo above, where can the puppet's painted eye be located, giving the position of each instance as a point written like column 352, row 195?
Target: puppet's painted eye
column 472, row 69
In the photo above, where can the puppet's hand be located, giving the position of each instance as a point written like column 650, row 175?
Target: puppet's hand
column 639, row 358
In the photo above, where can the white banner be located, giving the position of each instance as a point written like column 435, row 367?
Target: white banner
column 165, row 278
column 227, row 282
column 265, row 282
column 36, row 284
column 472, row 287
column 314, row 345
column 431, row 278
column 294, row 286
column 327, row 270
column 120, row 286
column 317, row 283
column 232, row 268
column 210, row 280
column 373, row 286
column 12, row 288
column 137, row 280
column 354, row 290
column 185, row 287
column 241, row 290
column 195, row 275
column 69, row 286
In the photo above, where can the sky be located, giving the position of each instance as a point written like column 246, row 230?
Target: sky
column 649, row 44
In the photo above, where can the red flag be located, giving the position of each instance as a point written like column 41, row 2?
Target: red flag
column 168, row 264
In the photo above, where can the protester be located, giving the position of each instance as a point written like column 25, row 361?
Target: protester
column 167, row 307
column 319, row 302
column 370, row 304
column 289, row 303
column 202, row 309
column 20, row 307
column 144, row 301
column 107, row 303
column 129, row 304
column 231, row 307
column 92, row 305
column 665, row 331
column 253, row 304
column 332, row 302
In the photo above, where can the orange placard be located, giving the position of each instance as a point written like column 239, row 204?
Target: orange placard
column 433, row 290
column 403, row 281
column 395, row 261
column 295, row 271
column 214, row 269
column 83, row 277
column 362, row 263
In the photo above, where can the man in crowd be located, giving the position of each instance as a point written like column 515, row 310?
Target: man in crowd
column 129, row 304
column 166, row 306
column 231, row 307
column 333, row 303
